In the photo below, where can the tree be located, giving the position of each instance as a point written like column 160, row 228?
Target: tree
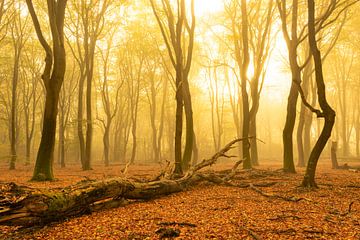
column 53, row 77
column 294, row 37
column 240, row 36
column 66, row 98
column 156, row 83
column 217, row 107
column 292, row 42
column 178, row 34
column 31, row 94
column 309, row 89
column 326, row 111
column 18, row 28
column 88, row 26
column 110, row 108
column 260, row 41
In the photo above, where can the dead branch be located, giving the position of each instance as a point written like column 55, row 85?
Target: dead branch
column 318, row 112
column 275, row 196
column 181, row 224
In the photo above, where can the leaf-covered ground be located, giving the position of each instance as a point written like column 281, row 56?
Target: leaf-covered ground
column 208, row 211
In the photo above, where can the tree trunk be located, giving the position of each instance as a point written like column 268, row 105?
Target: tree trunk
column 13, row 120
column 328, row 112
column 299, row 137
column 61, row 151
column 244, row 79
column 189, row 139
column 308, row 123
column 53, row 77
column 288, row 158
column 357, row 142
column 80, row 121
column 43, row 170
column 253, row 142
column 106, row 142
column 178, row 122
column 195, row 152
column 89, row 119
column 334, row 161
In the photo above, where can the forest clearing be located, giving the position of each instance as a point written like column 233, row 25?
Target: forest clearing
column 210, row 211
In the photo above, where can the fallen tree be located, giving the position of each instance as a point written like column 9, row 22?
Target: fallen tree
column 22, row 206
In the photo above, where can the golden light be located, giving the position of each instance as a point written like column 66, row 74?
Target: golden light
column 207, row 7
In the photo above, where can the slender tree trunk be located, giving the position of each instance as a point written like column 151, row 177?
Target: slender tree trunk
column 13, row 121
column 89, row 58
column 308, row 123
column 253, row 115
column 106, row 142
column 334, row 161
column 80, row 121
column 288, row 158
column 162, row 120
column 299, row 137
column 27, row 139
column 253, row 142
column 61, row 146
column 178, row 121
column 357, row 131
column 153, row 108
column 328, row 112
column 244, row 78
column 189, row 143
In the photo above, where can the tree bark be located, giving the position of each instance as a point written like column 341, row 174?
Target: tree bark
column 53, row 77
column 328, row 112
column 334, row 161
column 80, row 114
column 13, row 119
column 288, row 157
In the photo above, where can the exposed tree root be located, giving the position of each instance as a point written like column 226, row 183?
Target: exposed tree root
column 275, row 196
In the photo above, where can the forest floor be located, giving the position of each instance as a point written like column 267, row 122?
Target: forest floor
column 208, row 211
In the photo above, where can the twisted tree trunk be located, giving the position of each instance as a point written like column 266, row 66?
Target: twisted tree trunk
column 327, row 112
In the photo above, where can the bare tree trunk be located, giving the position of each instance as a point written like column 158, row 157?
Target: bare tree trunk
column 357, row 131
column 53, row 78
column 89, row 70
column 299, row 137
column 175, row 33
column 13, row 121
column 253, row 142
column 334, row 161
column 106, row 142
column 189, row 143
column 244, row 78
column 288, row 160
column 61, row 145
column 178, row 122
column 17, row 36
column 162, row 120
column 80, row 113
column 308, row 122
column 328, row 112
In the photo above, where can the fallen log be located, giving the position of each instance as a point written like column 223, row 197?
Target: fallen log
column 22, row 206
